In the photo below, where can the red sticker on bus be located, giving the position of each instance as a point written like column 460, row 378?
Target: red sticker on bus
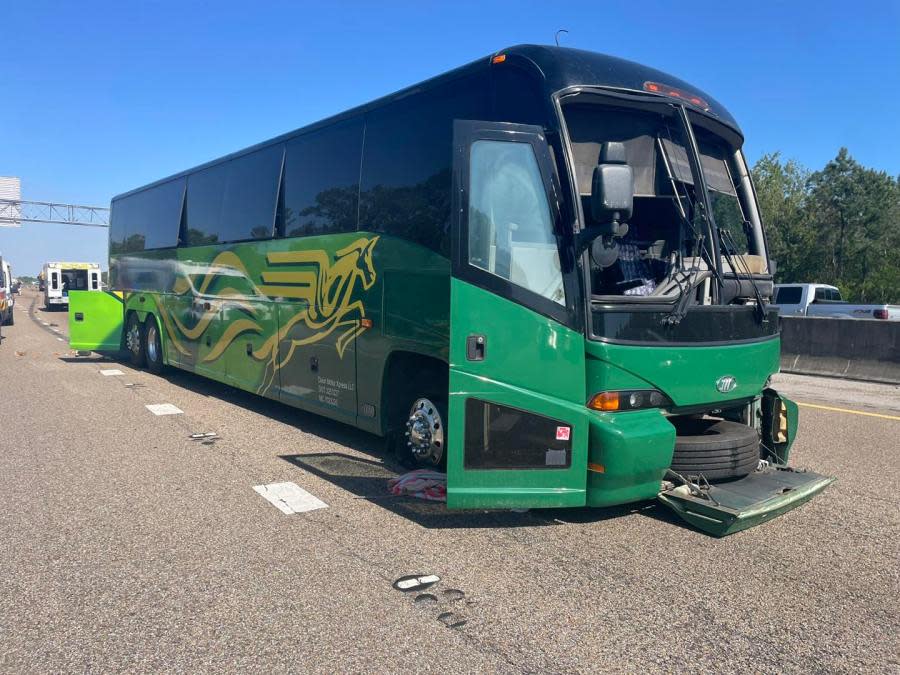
column 562, row 433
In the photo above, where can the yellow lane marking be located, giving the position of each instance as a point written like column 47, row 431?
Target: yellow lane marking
column 853, row 412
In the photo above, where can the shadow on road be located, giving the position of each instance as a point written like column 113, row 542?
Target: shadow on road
column 367, row 478
column 95, row 358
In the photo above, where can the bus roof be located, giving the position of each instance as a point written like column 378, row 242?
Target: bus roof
column 563, row 67
column 559, row 67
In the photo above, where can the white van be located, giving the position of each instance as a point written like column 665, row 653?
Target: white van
column 7, row 299
column 62, row 277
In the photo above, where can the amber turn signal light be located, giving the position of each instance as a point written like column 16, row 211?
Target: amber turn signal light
column 630, row 399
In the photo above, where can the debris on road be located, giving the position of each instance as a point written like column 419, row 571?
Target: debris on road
column 421, row 483
column 416, row 582
column 452, row 620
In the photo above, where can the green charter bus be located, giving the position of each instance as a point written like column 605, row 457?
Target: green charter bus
column 544, row 271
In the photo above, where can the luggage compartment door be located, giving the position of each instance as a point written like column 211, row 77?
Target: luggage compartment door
column 95, row 320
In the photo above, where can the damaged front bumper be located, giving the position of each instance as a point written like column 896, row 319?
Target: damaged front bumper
column 726, row 508
column 773, row 489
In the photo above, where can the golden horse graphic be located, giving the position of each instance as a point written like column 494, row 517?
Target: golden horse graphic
column 322, row 285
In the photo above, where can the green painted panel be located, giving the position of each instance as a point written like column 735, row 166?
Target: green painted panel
column 531, row 363
column 247, row 330
column 629, row 455
column 95, row 320
column 318, row 372
column 687, row 375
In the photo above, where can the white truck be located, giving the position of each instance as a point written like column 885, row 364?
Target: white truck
column 7, row 299
column 825, row 300
column 62, row 277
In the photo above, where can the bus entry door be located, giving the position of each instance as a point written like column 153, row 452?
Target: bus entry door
column 518, row 425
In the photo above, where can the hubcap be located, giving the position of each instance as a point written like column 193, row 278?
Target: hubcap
column 425, row 432
column 133, row 338
column 152, row 350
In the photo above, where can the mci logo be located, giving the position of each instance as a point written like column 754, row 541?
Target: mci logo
column 726, row 384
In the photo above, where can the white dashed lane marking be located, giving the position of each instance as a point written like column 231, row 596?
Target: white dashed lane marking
column 164, row 409
column 290, row 498
column 111, row 371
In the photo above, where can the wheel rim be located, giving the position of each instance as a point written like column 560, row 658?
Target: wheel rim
column 425, row 432
column 133, row 338
column 152, row 343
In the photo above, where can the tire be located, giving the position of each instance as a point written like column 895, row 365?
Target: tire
column 420, row 440
column 133, row 341
column 717, row 449
column 152, row 343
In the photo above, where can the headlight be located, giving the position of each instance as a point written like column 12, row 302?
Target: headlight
column 628, row 399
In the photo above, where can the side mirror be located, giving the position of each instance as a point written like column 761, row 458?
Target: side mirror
column 612, row 190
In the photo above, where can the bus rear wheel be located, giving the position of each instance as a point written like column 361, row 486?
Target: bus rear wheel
column 425, row 435
column 153, row 345
column 134, row 341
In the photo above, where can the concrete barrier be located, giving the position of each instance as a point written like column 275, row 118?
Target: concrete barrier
column 859, row 349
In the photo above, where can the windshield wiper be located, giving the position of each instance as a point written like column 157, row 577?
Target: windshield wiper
column 698, row 212
column 731, row 245
column 679, row 309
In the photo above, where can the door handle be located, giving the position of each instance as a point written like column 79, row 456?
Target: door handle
column 475, row 347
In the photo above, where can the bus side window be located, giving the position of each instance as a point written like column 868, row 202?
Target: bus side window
column 406, row 178
column 321, row 180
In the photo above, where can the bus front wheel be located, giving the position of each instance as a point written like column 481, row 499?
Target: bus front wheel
column 425, row 435
column 134, row 341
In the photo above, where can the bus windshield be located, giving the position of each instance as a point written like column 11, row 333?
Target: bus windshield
column 666, row 247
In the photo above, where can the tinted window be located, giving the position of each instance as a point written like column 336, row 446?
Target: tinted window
column 789, row 296
column 205, row 191
column 147, row 219
column 821, row 294
column 248, row 208
column 518, row 98
column 321, row 180
column 500, row 437
column 235, row 200
column 406, row 175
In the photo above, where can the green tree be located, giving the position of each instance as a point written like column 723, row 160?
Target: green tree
column 781, row 190
column 857, row 213
column 839, row 225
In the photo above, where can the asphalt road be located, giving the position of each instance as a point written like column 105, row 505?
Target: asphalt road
column 125, row 545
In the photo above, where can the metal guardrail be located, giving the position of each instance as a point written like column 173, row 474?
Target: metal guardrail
column 16, row 211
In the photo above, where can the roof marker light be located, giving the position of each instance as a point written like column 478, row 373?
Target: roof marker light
column 675, row 92
column 499, row 58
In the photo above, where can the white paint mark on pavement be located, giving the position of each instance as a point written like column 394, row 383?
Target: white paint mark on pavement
column 164, row 409
column 60, row 339
column 290, row 498
column 111, row 371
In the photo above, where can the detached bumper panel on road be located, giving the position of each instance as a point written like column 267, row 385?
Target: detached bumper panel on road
column 727, row 508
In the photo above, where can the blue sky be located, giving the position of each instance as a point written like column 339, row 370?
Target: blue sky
column 101, row 97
